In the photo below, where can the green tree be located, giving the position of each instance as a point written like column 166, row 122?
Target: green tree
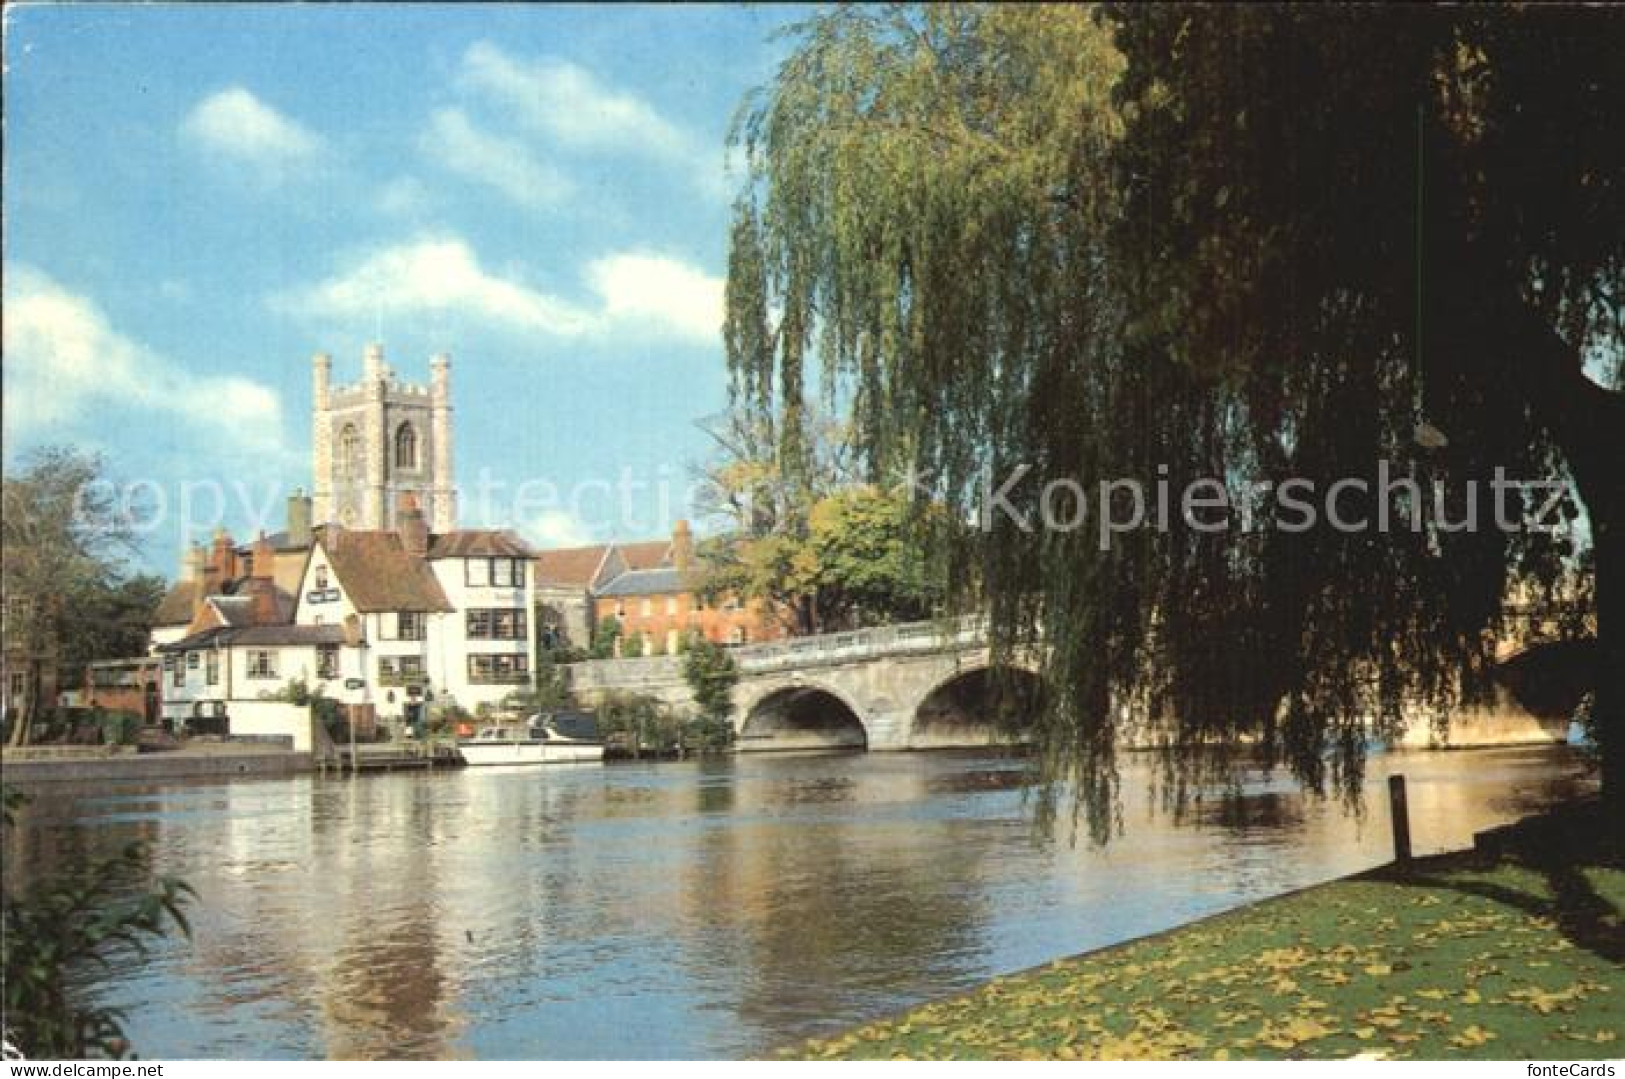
column 1255, row 243
column 82, row 920
column 868, row 561
column 711, row 674
column 824, row 551
column 638, row 720
column 68, row 598
column 604, row 636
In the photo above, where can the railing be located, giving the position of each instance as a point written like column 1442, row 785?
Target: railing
column 968, row 631
column 964, row 631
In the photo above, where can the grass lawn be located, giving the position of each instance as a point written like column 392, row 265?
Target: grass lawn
column 1460, row 957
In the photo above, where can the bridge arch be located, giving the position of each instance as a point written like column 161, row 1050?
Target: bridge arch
column 979, row 704
column 801, row 715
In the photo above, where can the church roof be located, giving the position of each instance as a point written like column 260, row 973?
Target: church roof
column 378, row 574
column 478, row 543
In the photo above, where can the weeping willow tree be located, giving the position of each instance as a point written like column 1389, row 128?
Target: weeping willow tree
column 1142, row 250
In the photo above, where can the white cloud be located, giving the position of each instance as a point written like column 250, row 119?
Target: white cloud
column 441, row 275
column 238, row 125
column 573, row 106
column 404, row 196
column 64, row 361
column 636, row 294
column 454, row 142
column 557, row 528
column 637, row 288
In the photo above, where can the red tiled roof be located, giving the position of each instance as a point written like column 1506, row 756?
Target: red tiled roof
column 378, row 574
column 648, row 554
column 573, row 566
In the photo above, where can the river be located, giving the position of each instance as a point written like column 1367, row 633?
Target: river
column 698, row 909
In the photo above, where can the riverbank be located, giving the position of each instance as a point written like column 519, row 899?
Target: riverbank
column 122, row 763
column 1514, row 955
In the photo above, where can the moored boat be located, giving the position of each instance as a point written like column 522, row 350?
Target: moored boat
column 545, row 738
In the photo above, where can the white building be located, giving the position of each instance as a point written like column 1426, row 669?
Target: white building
column 365, row 604
column 436, row 618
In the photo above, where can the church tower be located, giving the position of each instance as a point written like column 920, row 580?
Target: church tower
column 379, row 439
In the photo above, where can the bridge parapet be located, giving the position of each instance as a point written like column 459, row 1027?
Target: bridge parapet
column 969, row 631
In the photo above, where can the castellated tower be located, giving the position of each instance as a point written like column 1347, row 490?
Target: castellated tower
column 379, row 439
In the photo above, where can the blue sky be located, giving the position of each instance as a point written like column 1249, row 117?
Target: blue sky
column 199, row 198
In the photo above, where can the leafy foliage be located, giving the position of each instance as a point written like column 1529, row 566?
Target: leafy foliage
column 1163, row 243
column 69, row 598
column 711, row 674
column 61, row 929
column 639, row 722
column 604, row 636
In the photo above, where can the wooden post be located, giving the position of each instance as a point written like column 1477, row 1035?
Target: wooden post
column 1401, row 817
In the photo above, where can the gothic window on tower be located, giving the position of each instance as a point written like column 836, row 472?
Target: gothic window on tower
column 351, row 458
column 406, row 447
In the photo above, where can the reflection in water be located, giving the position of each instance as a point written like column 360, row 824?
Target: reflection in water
column 715, row 908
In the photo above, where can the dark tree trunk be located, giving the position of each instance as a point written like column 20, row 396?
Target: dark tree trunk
column 1588, row 423
column 1609, row 701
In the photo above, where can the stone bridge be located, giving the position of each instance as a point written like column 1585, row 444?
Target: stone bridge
column 929, row 685
column 914, row 686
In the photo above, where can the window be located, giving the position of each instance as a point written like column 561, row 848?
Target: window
column 737, row 635
column 321, row 577
column 647, row 607
column 499, row 669
column 400, row 670
column 620, row 608
column 494, row 573
column 211, row 669
column 671, row 604
column 193, row 659
column 178, row 677
column 352, row 462
column 261, row 663
column 409, row 626
column 17, row 685
column 327, row 661
column 671, row 642
column 406, row 447
column 499, row 624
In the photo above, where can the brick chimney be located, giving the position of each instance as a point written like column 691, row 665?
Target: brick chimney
column 221, row 566
column 262, row 585
column 411, row 525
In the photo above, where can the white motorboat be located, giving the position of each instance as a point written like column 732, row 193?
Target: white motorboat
column 546, row 738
